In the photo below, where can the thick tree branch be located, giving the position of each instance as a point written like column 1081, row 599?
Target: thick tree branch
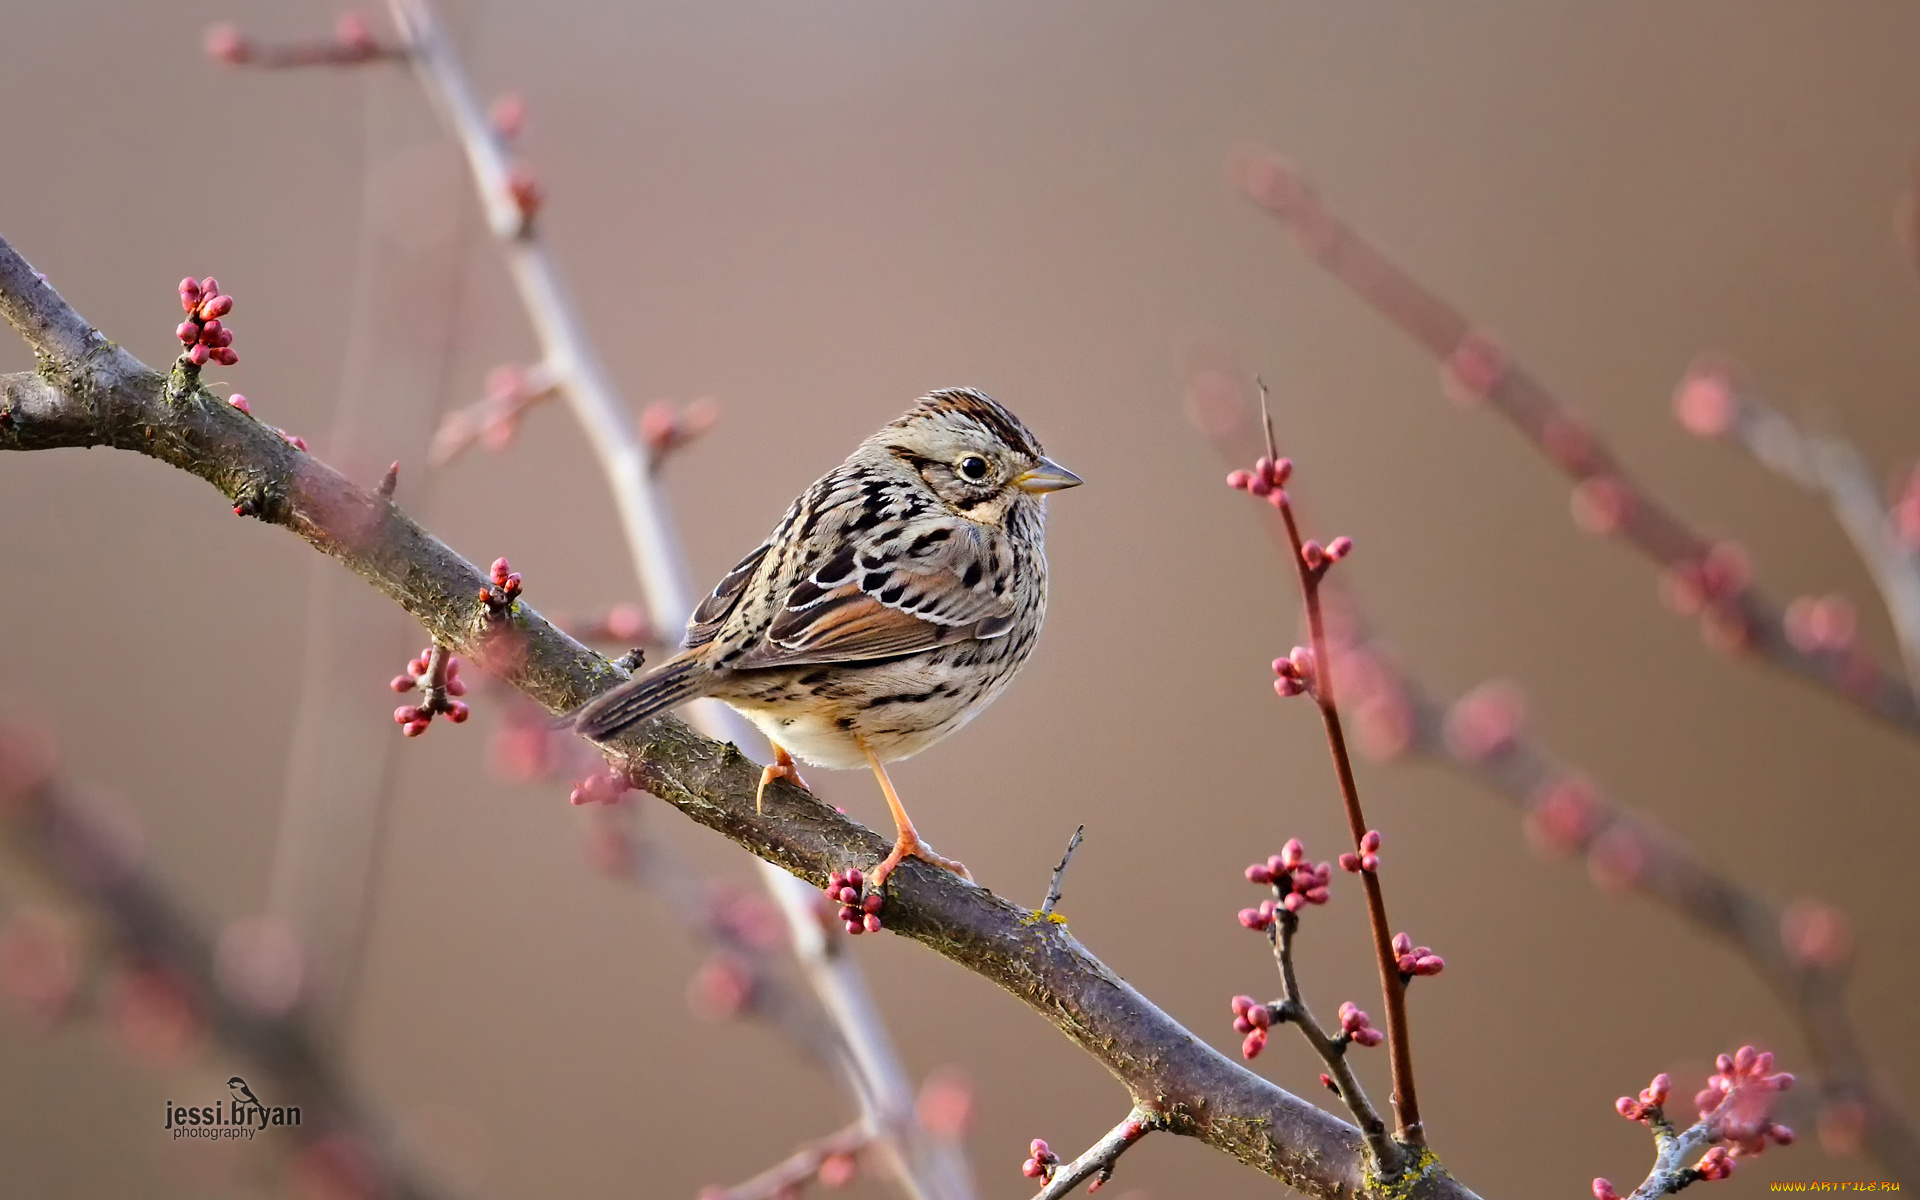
column 90, row 394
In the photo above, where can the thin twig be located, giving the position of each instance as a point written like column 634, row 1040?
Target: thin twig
column 1393, row 988
column 1332, row 1051
column 925, row 1167
column 1100, row 1159
column 1478, row 369
column 1060, row 873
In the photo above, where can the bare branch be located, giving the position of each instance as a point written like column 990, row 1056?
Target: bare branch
column 115, row 400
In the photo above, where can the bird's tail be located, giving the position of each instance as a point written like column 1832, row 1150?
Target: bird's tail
column 675, row 682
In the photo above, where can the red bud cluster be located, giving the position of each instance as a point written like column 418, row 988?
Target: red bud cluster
column 203, row 334
column 1357, row 1027
column 506, row 587
column 1368, row 859
column 1252, row 1018
column 437, row 692
column 1040, row 1161
column 1651, row 1100
column 1739, row 1099
column 859, row 913
column 1293, row 675
column 1415, row 960
column 1295, row 882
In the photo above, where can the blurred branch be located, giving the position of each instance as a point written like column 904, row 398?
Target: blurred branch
column 174, row 986
column 1714, row 401
column 821, row 1160
column 89, row 392
column 1735, row 614
column 1802, row 954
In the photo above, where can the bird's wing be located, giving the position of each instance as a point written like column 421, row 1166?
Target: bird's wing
column 923, row 583
column 714, row 610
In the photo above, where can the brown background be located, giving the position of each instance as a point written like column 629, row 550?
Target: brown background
column 816, row 213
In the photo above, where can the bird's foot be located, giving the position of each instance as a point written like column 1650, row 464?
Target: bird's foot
column 909, row 845
column 782, row 769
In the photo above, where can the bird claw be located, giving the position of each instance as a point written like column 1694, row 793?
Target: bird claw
column 779, row 770
column 909, row 845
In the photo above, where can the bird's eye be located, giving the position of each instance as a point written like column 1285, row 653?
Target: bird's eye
column 974, row 467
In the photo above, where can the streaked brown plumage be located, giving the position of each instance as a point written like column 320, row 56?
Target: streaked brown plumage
column 895, row 599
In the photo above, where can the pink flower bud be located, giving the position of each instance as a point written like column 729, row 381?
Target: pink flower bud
column 1602, row 1190
column 508, row 114
column 222, row 355
column 1255, row 1042
column 1281, row 472
column 209, row 287
column 1313, row 555
column 1370, row 841
column 401, row 683
column 189, row 293
column 353, row 33
column 198, row 355
column 1350, row 862
column 1402, row 944
column 1258, row 486
column 1603, row 505
column 1705, row 403
column 1293, row 853
column 187, row 332
column 225, row 43
column 210, row 332
column 1258, row 873
column 1239, row 480
column 240, row 402
column 1339, row 548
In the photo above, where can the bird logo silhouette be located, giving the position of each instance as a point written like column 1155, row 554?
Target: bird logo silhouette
column 242, row 1092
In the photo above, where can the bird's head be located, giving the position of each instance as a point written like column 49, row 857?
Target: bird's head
column 975, row 455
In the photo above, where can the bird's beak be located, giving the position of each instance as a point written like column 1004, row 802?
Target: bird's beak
column 1049, row 476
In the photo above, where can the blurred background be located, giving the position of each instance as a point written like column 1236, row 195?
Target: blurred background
column 816, row 213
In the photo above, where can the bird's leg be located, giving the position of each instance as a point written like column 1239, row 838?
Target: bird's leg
column 908, row 842
column 782, row 768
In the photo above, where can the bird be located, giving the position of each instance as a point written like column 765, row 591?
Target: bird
column 241, row 1091
column 895, row 600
